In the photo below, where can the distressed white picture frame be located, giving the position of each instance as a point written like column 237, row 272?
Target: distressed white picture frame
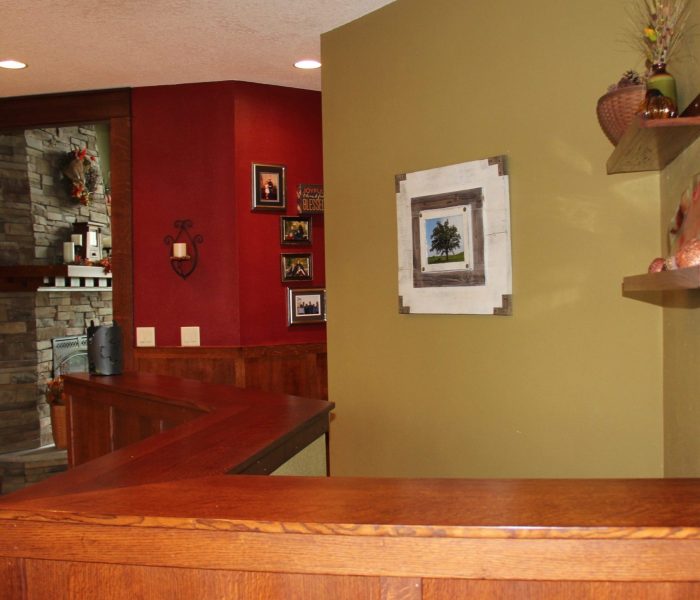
column 482, row 282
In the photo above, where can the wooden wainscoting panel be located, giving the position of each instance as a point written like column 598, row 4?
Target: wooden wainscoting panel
column 12, row 578
column 213, row 365
column 300, row 369
column 401, row 588
column 289, row 369
column 128, row 428
column 448, row 589
column 92, row 417
column 58, row 580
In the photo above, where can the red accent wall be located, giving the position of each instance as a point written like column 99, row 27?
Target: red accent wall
column 193, row 149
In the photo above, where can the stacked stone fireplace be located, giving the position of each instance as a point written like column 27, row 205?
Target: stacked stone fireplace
column 37, row 215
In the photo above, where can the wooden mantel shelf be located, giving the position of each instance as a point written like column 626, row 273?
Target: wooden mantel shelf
column 29, row 278
column 650, row 145
column 680, row 279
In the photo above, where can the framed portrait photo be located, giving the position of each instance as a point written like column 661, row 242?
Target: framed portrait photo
column 268, row 187
column 297, row 267
column 295, row 231
column 306, row 306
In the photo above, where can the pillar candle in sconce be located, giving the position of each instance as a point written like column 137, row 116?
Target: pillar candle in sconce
column 68, row 252
column 179, row 250
column 184, row 256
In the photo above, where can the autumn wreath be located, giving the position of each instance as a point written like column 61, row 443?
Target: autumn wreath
column 81, row 175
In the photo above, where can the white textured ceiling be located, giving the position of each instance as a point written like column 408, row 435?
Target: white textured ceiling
column 71, row 45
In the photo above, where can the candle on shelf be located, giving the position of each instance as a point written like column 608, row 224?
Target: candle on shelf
column 68, row 252
column 180, row 250
column 77, row 239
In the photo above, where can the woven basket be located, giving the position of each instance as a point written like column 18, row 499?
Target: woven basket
column 617, row 109
column 59, row 426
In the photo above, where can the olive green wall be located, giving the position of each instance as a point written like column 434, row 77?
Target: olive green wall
column 681, row 321
column 570, row 385
column 681, row 325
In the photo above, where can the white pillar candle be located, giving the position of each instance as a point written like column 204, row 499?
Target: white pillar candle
column 77, row 239
column 180, row 249
column 68, row 252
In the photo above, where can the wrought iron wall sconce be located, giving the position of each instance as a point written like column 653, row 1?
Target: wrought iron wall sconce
column 184, row 253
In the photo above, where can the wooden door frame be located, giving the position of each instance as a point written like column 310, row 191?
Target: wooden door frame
column 113, row 107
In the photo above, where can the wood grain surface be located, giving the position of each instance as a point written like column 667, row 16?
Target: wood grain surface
column 299, row 369
column 651, row 144
column 162, row 515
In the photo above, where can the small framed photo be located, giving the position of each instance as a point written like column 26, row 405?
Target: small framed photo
column 295, row 231
column 297, row 267
column 306, row 306
column 268, row 187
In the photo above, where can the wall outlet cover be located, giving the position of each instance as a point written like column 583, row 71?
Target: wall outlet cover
column 145, row 336
column 189, row 336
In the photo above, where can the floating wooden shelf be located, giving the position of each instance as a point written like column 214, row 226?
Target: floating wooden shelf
column 30, row 278
column 649, row 145
column 680, row 279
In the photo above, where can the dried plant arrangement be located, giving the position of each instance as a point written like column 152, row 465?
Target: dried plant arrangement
column 658, row 26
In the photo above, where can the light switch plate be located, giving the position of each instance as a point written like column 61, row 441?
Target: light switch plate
column 189, row 336
column 145, row 336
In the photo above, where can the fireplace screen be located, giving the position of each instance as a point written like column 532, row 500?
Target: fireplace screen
column 70, row 355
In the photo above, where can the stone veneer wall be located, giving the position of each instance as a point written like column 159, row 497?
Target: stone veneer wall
column 36, row 217
column 16, row 233
column 53, row 210
column 19, row 419
column 60, row 314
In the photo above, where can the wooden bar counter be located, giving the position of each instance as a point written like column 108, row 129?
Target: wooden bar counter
column 164, row 518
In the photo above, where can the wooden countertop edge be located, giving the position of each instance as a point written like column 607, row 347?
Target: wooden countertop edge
column 350, row 507
column 60, row 517
column 168, row 482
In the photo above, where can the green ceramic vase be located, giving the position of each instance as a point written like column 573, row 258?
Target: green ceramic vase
column 660, row 79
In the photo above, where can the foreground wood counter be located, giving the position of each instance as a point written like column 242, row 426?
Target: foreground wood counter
column 152, row 521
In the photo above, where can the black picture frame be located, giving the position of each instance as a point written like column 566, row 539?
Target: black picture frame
column 297, row 267
column 295, row 231
column 268, row 187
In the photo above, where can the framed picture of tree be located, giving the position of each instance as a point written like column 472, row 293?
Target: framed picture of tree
column 449, row 247
column 454, row 239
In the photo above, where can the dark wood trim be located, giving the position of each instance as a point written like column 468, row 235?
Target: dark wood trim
column 27, row 278
column 122, row 231
column 64, row 109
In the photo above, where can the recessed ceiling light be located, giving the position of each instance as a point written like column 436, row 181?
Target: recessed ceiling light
column 12, row 64
column 307, row 64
